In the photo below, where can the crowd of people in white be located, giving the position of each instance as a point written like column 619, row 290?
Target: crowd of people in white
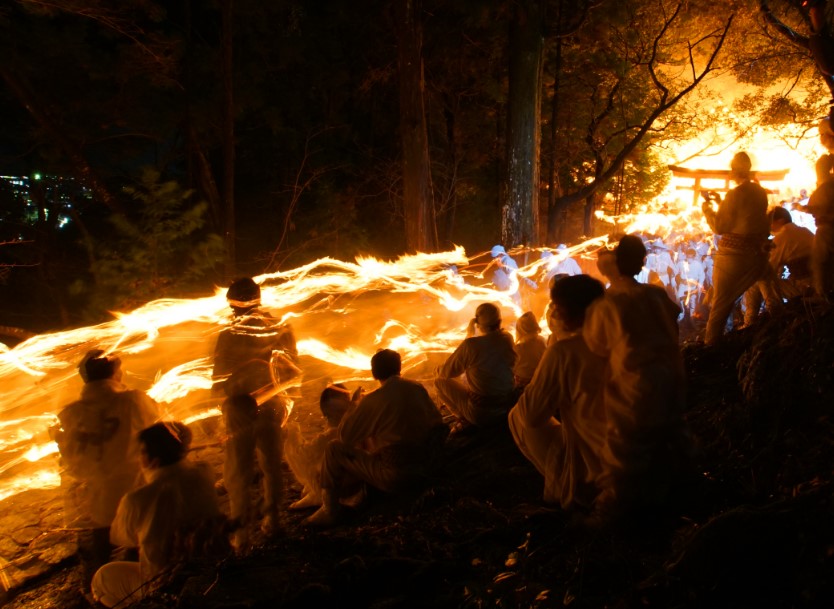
column 597, row 407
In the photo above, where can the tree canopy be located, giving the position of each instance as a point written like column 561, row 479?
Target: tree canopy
column 306, row 148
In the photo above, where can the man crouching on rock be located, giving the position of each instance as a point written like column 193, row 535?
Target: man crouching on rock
column 390, row 440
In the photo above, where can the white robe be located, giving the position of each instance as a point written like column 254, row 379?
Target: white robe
column 559, row 421
column 176, row 498
column 99, row 450
column 634, row 327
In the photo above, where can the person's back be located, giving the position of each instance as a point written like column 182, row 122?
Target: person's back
column 100, row 458
column 390, row 440
column 744, row 212
column 635, row 328
column 399, row 412
column 244, row 351
column 487, row 361
column 797, row 240
column 247, row 363
column 98, row 447
column 742, row 227
column 529, row 348
column 821, row 203
column 176, row 498
column 792, row 248
column 637, row 325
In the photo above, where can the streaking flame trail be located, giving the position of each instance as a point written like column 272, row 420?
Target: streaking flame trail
column 341, row 313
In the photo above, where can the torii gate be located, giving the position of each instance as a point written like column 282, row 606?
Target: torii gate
column 721, row 174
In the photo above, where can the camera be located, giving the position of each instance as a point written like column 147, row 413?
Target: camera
column 710, row 196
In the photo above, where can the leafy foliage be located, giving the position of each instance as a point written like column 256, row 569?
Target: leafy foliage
column 157, row 251
column 125, row 85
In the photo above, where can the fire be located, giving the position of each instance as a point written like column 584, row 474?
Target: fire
column 341, row 313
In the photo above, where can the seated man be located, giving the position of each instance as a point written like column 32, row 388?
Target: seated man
column 179, row 496
column 790, row 248
column 529, row 348
column 305, row 458
column 559, row 421
column 487, row 360
column 389, row 440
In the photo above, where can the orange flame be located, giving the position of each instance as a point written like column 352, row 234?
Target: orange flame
column 341, row 312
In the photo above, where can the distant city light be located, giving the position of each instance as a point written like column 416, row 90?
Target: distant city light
column 58, row 190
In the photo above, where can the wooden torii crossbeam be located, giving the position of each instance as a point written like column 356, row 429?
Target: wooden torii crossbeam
column 697, row 175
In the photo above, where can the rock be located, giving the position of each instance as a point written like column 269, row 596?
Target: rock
column 9, row 548
column 17, row 518
column 52, row 538
column 26, row 535
column 58, row 553
column 20, row 573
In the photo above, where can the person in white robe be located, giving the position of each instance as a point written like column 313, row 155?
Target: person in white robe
column 559, row 421
column 634, row 328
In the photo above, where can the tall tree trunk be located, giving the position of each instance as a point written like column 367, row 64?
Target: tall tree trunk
column 520, row 214
column 229, row 233
column 553, row 232
column 201, row 176
column 450, row 203
column 418, row 196
column 588, row 215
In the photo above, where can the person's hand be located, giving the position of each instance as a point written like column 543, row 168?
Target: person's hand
column 357, row 395
column 472, row 328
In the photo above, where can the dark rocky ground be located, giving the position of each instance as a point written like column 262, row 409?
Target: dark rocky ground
column 755, row 530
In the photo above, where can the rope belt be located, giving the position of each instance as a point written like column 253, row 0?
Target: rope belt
column 742, row 243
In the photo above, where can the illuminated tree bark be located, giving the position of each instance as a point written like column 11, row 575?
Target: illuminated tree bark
column 418, row 196
column 520, row 214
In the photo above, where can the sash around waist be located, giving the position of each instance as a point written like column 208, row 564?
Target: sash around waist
column 742, row 243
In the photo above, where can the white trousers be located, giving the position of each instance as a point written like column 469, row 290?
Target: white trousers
column 118, row 584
